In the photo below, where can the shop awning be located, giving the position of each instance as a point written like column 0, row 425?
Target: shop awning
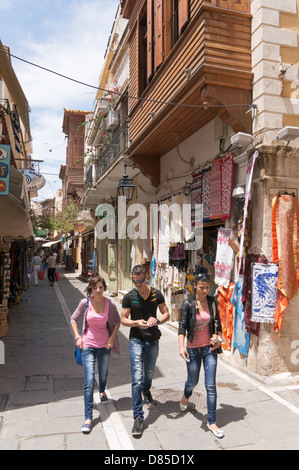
column 15, row 223
column 48, row 244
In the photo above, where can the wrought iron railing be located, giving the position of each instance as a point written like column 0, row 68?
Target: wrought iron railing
column 88, row 179
column 112, row 150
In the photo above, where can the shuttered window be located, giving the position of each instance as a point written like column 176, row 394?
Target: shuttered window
column 150, row 16
column 158, row 32
column 165, row 21
column 183, row 15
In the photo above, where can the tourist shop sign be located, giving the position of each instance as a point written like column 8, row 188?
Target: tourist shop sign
column 4, row 169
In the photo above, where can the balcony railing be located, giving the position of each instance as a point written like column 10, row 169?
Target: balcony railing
column 118, row 144
column 88, row 179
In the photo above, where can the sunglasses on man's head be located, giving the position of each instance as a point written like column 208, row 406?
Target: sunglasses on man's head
column 140, row 281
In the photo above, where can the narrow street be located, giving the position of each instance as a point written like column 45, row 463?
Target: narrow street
column 41, row 397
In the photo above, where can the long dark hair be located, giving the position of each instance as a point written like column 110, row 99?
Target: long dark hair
column 93, row 280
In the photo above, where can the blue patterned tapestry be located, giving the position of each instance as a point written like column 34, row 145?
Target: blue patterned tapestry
column 264, row 292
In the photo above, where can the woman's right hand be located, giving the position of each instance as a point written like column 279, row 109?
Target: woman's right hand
column 184, row 354
column 79, row 343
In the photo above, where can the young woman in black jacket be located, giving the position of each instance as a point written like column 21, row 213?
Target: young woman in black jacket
column 201, row 321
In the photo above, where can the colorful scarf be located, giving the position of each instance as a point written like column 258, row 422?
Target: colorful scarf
column 226, row 312
column 241, row 338
column 285, row 250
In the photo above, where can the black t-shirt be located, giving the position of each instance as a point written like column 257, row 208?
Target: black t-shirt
column 142, row 309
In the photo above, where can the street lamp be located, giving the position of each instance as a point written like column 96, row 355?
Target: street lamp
column 187, row 189
column 126, row 187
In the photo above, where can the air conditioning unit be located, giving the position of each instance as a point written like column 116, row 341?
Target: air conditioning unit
column 241, row 139
column 288, row 133
column 112, row 120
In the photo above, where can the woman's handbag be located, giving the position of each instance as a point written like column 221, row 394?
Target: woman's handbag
column 78, row 355
column 41, row 275
column 57, row 276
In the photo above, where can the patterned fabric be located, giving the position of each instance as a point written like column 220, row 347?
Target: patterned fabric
column 226, row 185
column 224, row 258
column 212, row 187
column 215, row 189
column 205, row 194
column 253, row 328
column 226, row 312
column 264, row 292
column 285, row 250
column 195, row 195
column 241, row 338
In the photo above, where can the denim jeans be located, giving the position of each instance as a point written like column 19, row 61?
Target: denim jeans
column 89, row 356
column 143, row 357
column 51, row 274
column 209, row 359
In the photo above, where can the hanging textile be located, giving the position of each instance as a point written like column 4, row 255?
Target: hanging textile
column 205, row 194
column 241, row 337
column 224, row 258
column 264, row 292
column 253, row 328
column 215, row 189
column 196, row 194
column 285, row 250
column 226, row 312
column 175, row 219
column 226, row 185
column 163, row 248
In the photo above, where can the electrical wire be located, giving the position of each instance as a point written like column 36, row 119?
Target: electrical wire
column 139, row 98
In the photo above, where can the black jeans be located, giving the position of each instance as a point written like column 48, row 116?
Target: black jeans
column 51, row 274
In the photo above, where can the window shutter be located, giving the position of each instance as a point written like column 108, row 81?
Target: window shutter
column 240, row 5
column 183, row 14
column 149, row 38
column 158, row 29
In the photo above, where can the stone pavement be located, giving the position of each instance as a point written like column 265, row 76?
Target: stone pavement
column 41, row 398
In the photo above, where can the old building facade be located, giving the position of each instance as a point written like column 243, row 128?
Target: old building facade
column 211, row 87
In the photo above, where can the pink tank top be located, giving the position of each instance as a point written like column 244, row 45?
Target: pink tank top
column 96, row 334
column 202, row 334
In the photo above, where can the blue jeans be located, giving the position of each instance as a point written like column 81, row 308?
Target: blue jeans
column 143, row 357
column 89, row 356
column 209, row 359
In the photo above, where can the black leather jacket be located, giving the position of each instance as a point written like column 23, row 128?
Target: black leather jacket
column 188, row 318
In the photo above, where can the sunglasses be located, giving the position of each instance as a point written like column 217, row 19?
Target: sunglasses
column 140, row 281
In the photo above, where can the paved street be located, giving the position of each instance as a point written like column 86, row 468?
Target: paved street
column 41, row 398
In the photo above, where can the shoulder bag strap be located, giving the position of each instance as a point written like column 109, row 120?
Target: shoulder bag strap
column 85, row 313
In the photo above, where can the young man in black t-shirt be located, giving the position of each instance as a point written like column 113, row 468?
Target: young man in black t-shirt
column 140, row 304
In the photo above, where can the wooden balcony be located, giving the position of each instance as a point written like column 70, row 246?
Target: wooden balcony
column 215, row 49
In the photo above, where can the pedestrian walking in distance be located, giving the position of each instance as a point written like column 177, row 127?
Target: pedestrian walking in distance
column 37, row 267
column 140, row 304
column 101, row 323
column 200, row 319
column 51, row 263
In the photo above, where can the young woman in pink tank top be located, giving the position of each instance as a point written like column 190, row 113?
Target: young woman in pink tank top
column 201, row 321
column 100, row 326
